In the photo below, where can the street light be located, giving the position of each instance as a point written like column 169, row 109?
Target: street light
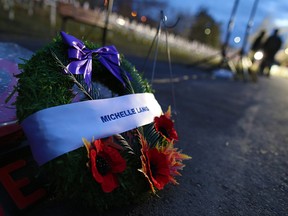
column 134, row 13
column 258, row 55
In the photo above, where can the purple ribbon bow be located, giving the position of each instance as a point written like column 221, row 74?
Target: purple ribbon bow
column 82, row 58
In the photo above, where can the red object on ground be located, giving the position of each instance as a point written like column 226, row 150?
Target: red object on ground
column 13, row 186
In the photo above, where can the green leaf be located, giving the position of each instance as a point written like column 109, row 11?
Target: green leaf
column 122, row 142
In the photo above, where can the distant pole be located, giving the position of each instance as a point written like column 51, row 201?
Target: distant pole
column 9, row 4
column 229, row 29
column 105, row 29
column 249, row 26
column 53, row 13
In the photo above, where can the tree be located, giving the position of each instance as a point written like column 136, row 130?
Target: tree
column 205, row 29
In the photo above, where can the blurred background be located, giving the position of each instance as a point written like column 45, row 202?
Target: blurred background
column 196, row 29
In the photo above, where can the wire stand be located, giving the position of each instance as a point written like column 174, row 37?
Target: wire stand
column 224, row 62
column 240, row 67
column 244, row 61
column 162, row 24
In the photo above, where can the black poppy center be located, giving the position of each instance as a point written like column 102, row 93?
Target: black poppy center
column 102, row 165
column 164, row 132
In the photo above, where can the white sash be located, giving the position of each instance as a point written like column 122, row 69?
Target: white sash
column 57, row 130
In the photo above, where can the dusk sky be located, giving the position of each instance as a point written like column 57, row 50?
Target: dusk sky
column 275, row 12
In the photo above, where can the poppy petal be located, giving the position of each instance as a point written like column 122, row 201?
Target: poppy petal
column 109, row 183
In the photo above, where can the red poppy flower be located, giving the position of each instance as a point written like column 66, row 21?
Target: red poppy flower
column 105, row 163
column 158, row 168
column 165, row 126
column 161, row 164
column 154, row 166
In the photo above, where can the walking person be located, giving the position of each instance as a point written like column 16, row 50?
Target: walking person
column 270, row 48
column 257, row 44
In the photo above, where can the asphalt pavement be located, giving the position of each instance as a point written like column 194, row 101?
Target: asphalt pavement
column 236, row 133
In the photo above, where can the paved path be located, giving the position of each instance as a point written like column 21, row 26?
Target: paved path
column 237, row 135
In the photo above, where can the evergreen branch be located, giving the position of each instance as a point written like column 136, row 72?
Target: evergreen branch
column 151, row 135
column 11, row 95
column 129, row 86
column 121, row 140
column 78, row 84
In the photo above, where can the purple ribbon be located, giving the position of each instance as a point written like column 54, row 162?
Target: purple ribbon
column 81, row 58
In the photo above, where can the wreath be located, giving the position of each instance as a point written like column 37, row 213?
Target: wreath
column 104, row 172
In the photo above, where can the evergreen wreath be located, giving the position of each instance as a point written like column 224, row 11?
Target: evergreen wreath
column 108, row 172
